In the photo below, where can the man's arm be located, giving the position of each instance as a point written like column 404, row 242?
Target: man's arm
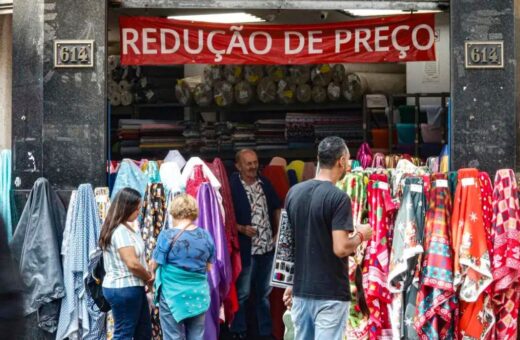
column 343, row 245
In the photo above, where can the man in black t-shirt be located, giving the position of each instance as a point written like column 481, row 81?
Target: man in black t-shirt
column 321, row 218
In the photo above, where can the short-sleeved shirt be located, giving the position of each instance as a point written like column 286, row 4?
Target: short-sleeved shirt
column 192, row 251
column 263, row 241
column 118, row 275
column 316, row 208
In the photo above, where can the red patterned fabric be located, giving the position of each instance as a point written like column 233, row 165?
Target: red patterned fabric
column 375, row 268
column 472, row 267
column 506, row 254
column 437, row 303
column 195, row 181
column 231, row 302
column 486, row 197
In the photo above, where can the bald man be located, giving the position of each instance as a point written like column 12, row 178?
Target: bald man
column 257, row 210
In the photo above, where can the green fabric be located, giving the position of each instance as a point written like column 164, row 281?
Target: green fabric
column 289, row 326
column 186, row 293
column 354, row 185
column 452, row 180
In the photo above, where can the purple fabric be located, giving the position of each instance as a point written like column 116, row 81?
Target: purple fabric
column 364, row 155
column 219, row 278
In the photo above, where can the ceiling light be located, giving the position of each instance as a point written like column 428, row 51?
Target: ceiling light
column 220, row 18
column 383, row 12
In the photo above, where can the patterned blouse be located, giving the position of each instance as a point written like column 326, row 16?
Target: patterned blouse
column 263, row 241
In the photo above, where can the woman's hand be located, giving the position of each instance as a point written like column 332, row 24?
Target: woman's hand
column 152, row 278
column 150, row 282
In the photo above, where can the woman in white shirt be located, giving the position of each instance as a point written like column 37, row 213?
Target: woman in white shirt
column 126, row 269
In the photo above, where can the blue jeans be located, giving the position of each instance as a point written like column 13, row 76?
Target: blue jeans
column 189, row 329
column 259, row 273
column 131, row 313
column 319, row 319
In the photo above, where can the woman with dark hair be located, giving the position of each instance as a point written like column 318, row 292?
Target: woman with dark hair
column 126, row 269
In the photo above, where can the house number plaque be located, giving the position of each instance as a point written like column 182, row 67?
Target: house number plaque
column 484, row 54
column 73, row 53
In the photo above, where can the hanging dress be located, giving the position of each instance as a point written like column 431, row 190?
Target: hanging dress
column 404, row 269
column 353, row 184
column 472, row 266
column 129, row 175
column 486, row 198
column 154, row 219
column 219, row 278
column 375, row 268
column 79, row 316
column 152, row 172
column 35, row 248
column 506, row 254
column 231, row 302
column 437, row 303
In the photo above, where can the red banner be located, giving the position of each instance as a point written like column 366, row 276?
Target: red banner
column 158, row 41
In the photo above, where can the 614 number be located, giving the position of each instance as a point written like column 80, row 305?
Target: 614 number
column 74, row 54
column 486, row 55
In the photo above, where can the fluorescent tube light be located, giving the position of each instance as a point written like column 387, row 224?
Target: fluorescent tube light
column 383, row 12
column 221, row 18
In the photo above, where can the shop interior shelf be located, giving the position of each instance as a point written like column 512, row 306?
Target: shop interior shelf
column 255, row 107
column 258, row 106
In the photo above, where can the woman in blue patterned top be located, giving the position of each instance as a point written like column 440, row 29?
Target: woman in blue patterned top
column 181, row 259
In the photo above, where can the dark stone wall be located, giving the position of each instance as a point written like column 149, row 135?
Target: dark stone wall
column 484, row 101
column 59, row 115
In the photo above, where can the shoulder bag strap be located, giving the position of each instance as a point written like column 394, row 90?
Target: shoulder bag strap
column 178, row 236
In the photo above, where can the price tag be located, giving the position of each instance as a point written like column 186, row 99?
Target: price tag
column 441, row 183
column 382, row 185
column 416, row 188
column 466, row 182
column 73, row 53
